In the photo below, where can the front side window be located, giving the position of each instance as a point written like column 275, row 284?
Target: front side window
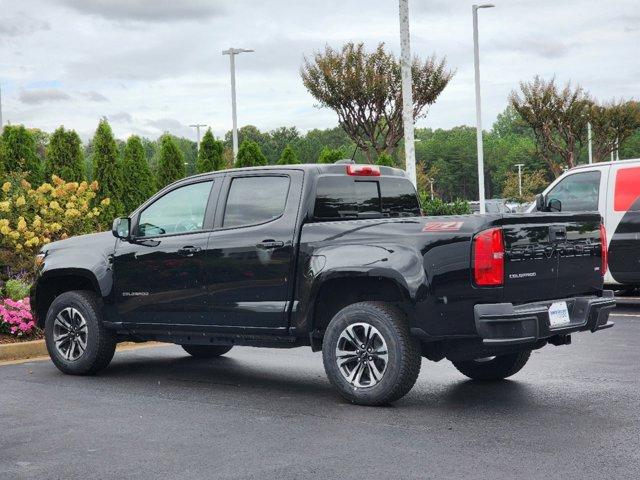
column 179, row 211
column 578, row 192
column 254, row 200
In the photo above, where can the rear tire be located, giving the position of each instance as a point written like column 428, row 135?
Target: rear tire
column 77, row 341
column 369, row 354
column 497, row 368
column 206, row 351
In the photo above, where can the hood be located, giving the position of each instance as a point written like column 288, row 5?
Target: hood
column 94, row 241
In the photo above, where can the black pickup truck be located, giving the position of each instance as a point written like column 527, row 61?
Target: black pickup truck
column 335, row 257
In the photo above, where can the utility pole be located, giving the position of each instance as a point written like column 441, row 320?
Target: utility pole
column 232, row 52
column 431, row 185
column 407, row 92
column 197, row 127
column 1, row 124
column 590, row 143
column 520, row 165
column 476, row 62
column 617, row 150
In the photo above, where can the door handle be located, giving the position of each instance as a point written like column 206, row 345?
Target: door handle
column 268, row 244
column 188, row 251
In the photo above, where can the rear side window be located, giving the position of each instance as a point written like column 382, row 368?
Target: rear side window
column 578, row 192
column 254, row 200
column 340, row 196
column 627, row 188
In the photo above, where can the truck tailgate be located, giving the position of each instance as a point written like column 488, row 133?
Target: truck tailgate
column 555, row 255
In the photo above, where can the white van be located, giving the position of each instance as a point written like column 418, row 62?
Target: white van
column 612, row 188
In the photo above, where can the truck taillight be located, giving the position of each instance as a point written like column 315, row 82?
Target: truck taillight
column 603, row 248
column 488, row 258
column 363, row 170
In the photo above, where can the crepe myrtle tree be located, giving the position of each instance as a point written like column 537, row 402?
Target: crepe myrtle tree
column 612, row 124
column 364, row 89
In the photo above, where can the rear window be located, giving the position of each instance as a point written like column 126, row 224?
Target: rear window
column 339, row 196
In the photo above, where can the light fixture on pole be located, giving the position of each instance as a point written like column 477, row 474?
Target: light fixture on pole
column 520, row 165
column 232, row 52
column 476, row 61
column 197, row 127
column 407, row 93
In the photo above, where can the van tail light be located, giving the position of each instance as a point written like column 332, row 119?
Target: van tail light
column 356, row 170
column 488, row 258
column 604, row 250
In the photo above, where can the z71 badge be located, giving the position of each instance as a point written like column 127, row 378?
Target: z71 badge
column 442, row 226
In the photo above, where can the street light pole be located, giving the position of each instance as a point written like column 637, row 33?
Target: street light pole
column 431, row 185
column 232, row 52
column 407, row 92
column 476, row 61
column 589, row 139
column 1, row 124
column 520, row 165
column 197, row 127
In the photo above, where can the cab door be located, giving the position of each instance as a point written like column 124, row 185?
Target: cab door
column 160, row 276
column 251, row 252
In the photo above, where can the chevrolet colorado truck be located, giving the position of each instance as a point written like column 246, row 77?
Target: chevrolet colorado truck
column 336, row 257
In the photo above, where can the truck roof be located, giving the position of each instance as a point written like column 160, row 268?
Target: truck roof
column 597, row 164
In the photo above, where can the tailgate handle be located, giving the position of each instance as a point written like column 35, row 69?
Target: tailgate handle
column 557, row 233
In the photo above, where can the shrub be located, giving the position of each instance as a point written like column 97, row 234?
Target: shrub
column 138, row 183
column 31, row 217
column 437, row 207
column 386, row 160
column 19, row 152
column 15, row 317
column 330, row 155
column 16, row 289
column 106, row 170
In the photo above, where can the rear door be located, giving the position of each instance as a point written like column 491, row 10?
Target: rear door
column 251, row 252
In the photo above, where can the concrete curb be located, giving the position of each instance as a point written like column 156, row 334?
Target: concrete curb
column 36, row 349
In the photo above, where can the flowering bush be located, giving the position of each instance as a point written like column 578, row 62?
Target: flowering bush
column 31, row 217
column 15, row 317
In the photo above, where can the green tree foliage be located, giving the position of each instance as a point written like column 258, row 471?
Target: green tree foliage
column 288, row 156
column 250, row 155
column 210, row 155
column 171, row 162
column 330, row 155
column 386, row 160
column 437, row 207
column 20, row 153
column 107, row 171
column 364, row 89
column 64, row 156
column 532, row 184
column 138, row 183
column 612, row 124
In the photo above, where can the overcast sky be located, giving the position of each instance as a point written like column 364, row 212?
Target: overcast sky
column 156, row 65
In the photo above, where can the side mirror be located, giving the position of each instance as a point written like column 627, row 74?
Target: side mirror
column 554, row 205
column 121, row 228
column 540, row 203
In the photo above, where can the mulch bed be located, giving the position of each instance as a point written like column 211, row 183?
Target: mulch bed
column 37, row 335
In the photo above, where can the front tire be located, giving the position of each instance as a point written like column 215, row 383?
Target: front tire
column 369, row 354
column 206, row 351
column 495, row 368
column 77, row 341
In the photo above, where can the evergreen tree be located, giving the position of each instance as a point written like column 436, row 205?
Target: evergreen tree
column 330, row 155
column 138, row 183
column 250, row 155
column 106, row 171
column 64, row 156
column 288, row 156
column 20, row 153
column 210, row 154
column 171, row 162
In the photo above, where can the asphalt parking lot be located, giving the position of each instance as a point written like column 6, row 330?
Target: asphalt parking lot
column 573, row 412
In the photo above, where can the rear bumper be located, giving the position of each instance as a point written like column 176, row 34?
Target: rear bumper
column 502, row 324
